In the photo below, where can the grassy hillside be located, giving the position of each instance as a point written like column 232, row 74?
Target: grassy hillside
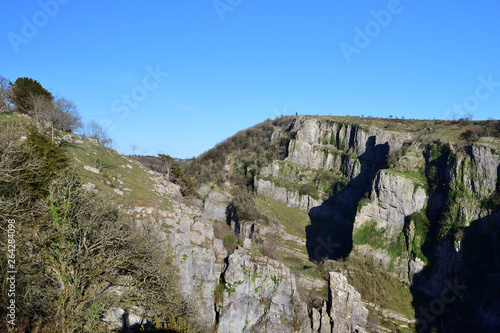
column 73, row 245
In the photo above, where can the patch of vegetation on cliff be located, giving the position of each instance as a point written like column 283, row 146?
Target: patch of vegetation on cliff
column 293, row 219
column 438, row 156
column 316, row 184
column 493, row 202
column 286, row 168
column 329, row 181
column 370, row 235
column 242, row 207
column 250, row 150
column 397, row 246
column 301, row 188
column 418, row 242
column 363, row 202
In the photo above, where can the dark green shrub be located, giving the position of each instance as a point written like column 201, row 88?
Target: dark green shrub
column 243, row 207
column 470, row 136
column 23, row 90
column 230, row 243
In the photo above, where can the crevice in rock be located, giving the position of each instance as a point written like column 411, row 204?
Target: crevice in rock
column 221, row 281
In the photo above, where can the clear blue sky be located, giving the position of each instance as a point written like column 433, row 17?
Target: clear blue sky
column 234, row 63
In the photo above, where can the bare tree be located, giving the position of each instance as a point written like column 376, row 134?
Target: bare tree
column 97, row 132
column 270, row 246
column 43, row 112
column 5, row 90
column 134, row 148
column 98, row 159
column 61, row 114
column 67, row 117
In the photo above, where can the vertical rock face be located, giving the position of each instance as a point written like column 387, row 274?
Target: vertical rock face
column 326, row 321
column 215, row 203
column 260, row 295
column 346, row 312
column 198, row 255
column 472, row 177
column 344, row 142
column 393, row 197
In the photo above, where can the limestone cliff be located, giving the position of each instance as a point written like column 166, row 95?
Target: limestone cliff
column 394, row 194
column 411, row 197
column 260, row 295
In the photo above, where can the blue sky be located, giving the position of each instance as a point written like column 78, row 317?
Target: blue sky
column 177, row 77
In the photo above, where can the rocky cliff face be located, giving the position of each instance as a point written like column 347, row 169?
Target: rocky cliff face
column 392, row 199
column 430, row 189
column 289, row 197
column 189, row 238
column 260, row 295
column 242, row 292
column 344, row 313
column 472, row 176
column 326, row 144
column 433, row 195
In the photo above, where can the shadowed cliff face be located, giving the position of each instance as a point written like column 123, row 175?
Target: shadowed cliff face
column 498, row 178
column 459, row 290
column 466, row 297
column 330, row 233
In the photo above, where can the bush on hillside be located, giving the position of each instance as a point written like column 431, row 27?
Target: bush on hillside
column 470, row 136
column 77, row 248
column 243, row 207
column 23, row 90
column 97, row 132
column 250, row 150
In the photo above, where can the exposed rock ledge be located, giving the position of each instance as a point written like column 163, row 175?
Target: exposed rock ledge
column 289, row 198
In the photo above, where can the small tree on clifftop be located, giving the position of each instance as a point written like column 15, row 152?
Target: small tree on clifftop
column 23, row 90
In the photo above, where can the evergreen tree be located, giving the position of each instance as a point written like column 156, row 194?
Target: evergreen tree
column 23, row 90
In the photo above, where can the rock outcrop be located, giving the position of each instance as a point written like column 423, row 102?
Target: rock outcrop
column 392, row 199
column 247, row 292
column 472, row 176
column 344, row 313
column 199, row 256
column 283, row 195
column 215, row 203
column 327, row 144
column 260, row 295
